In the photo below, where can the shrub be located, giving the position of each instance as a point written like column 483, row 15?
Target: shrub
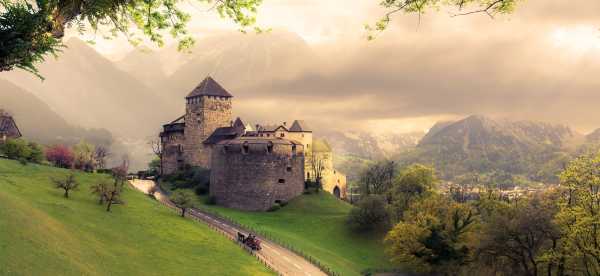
column 60, row 155
column 370, row 214
column 274, row 208
column 211, row 200
column 37, row 153
column 196, row 178
column 16, row 149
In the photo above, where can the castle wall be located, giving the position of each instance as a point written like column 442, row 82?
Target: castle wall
column 172, row 158
column 253, row 181
column 305, row 138
column 204, row 115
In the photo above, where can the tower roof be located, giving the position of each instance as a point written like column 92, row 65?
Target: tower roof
column 299, row 126
column 209, row 87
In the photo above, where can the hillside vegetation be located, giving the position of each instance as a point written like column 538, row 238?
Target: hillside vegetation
column 316, row 225
column 534, row 151
column 42, row 233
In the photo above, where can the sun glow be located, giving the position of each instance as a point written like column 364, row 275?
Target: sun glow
column 579, row 39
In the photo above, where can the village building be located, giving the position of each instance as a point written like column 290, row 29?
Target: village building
column 252, row 168
column 8, row 127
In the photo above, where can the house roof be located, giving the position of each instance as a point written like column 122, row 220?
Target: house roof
column 300, row 126
column 239, row 123
column 209, row 87
column 222, row 134
column 7, row 123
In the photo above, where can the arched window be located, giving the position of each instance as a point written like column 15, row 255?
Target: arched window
column 245, row 147
column 270, row 147
column 293, row 150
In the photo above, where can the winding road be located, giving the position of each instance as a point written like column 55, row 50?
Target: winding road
column 280, row 259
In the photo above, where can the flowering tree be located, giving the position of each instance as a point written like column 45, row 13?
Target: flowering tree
column 60, row 155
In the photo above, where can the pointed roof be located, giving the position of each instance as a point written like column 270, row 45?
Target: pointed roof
column 239, row 123
column 8, row 125
column 299, row 126
column 209, row 87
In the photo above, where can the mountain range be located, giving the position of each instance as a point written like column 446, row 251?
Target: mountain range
column 479, row 144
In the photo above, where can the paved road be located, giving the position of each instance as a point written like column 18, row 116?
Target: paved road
column 282, row 260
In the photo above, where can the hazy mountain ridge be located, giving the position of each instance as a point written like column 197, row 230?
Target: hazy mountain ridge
column 481, row 144
column 38, row 122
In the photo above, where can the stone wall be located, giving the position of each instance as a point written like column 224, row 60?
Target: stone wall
column 172, row 144
column 254, row 179
column 203, row 115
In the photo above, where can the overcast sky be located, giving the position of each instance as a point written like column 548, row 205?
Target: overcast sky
column 540, row 63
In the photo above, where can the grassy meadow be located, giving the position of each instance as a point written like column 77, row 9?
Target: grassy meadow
column 316, row 224
column 42, row 233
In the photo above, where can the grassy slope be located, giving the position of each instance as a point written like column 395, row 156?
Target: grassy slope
column 315, row 224
column 42, row 233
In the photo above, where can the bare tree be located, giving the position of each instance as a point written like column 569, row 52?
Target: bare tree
column 67, row 184
column 157, row 148
column 100, row 155
column 317, row 166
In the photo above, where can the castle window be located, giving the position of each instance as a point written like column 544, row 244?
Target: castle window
column 293, row 150
column 281, row 181
column 270, row 147
column 289, row 169
column 245, row 147
column 307, row 175
column 282, row 134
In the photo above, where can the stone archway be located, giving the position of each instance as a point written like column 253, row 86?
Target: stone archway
column 336, row 192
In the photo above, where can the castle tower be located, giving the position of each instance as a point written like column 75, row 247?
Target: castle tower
column 208, row 107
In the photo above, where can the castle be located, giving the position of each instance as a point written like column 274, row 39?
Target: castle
column 252, row 168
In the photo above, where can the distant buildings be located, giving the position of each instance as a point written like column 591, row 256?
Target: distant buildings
column 8, row 127
column 252, row 168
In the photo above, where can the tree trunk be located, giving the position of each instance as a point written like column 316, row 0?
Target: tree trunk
column 66, row 193
column 183, row 212
column 110, row 201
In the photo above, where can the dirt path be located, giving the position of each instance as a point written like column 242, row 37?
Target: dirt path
column 282, row 260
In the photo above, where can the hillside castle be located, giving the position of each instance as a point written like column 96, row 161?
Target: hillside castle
column 252, row 167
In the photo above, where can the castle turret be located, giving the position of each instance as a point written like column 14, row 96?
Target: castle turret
column 208, row 107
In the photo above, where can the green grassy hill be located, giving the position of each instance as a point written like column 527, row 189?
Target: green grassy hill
column 42, row 233
column 315, row 224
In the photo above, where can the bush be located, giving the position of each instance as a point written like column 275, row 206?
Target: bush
column 211, row 200
column 274, row 208
column 195, row 178
column 60, row 156
column 37, row 153
column 16, row 149
column 369, row 214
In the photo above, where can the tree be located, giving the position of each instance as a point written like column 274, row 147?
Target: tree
column 579, row 216
column 369, row 214
column 377, row 178
column 100, row 155
column 31, row 31
column 419, row 7
column 317, row 167
column 17, row 149
column 84, row 153
column 435, row 235
column 60, row 155
column 68, row 184
column 516, row 236
column 102, row 190
column 413, row 183
column 157, row 148
column 183, row 199
column 37, row 153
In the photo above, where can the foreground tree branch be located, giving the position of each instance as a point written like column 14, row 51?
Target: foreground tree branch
column 30, row 31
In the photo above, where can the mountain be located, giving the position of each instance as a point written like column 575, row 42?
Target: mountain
column 89, row 90
column 37, row 122
column 479, row 144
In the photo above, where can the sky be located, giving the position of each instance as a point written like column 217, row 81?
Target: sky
column 540, row 63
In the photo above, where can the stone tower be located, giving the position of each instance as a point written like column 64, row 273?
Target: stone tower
column 208, row 107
